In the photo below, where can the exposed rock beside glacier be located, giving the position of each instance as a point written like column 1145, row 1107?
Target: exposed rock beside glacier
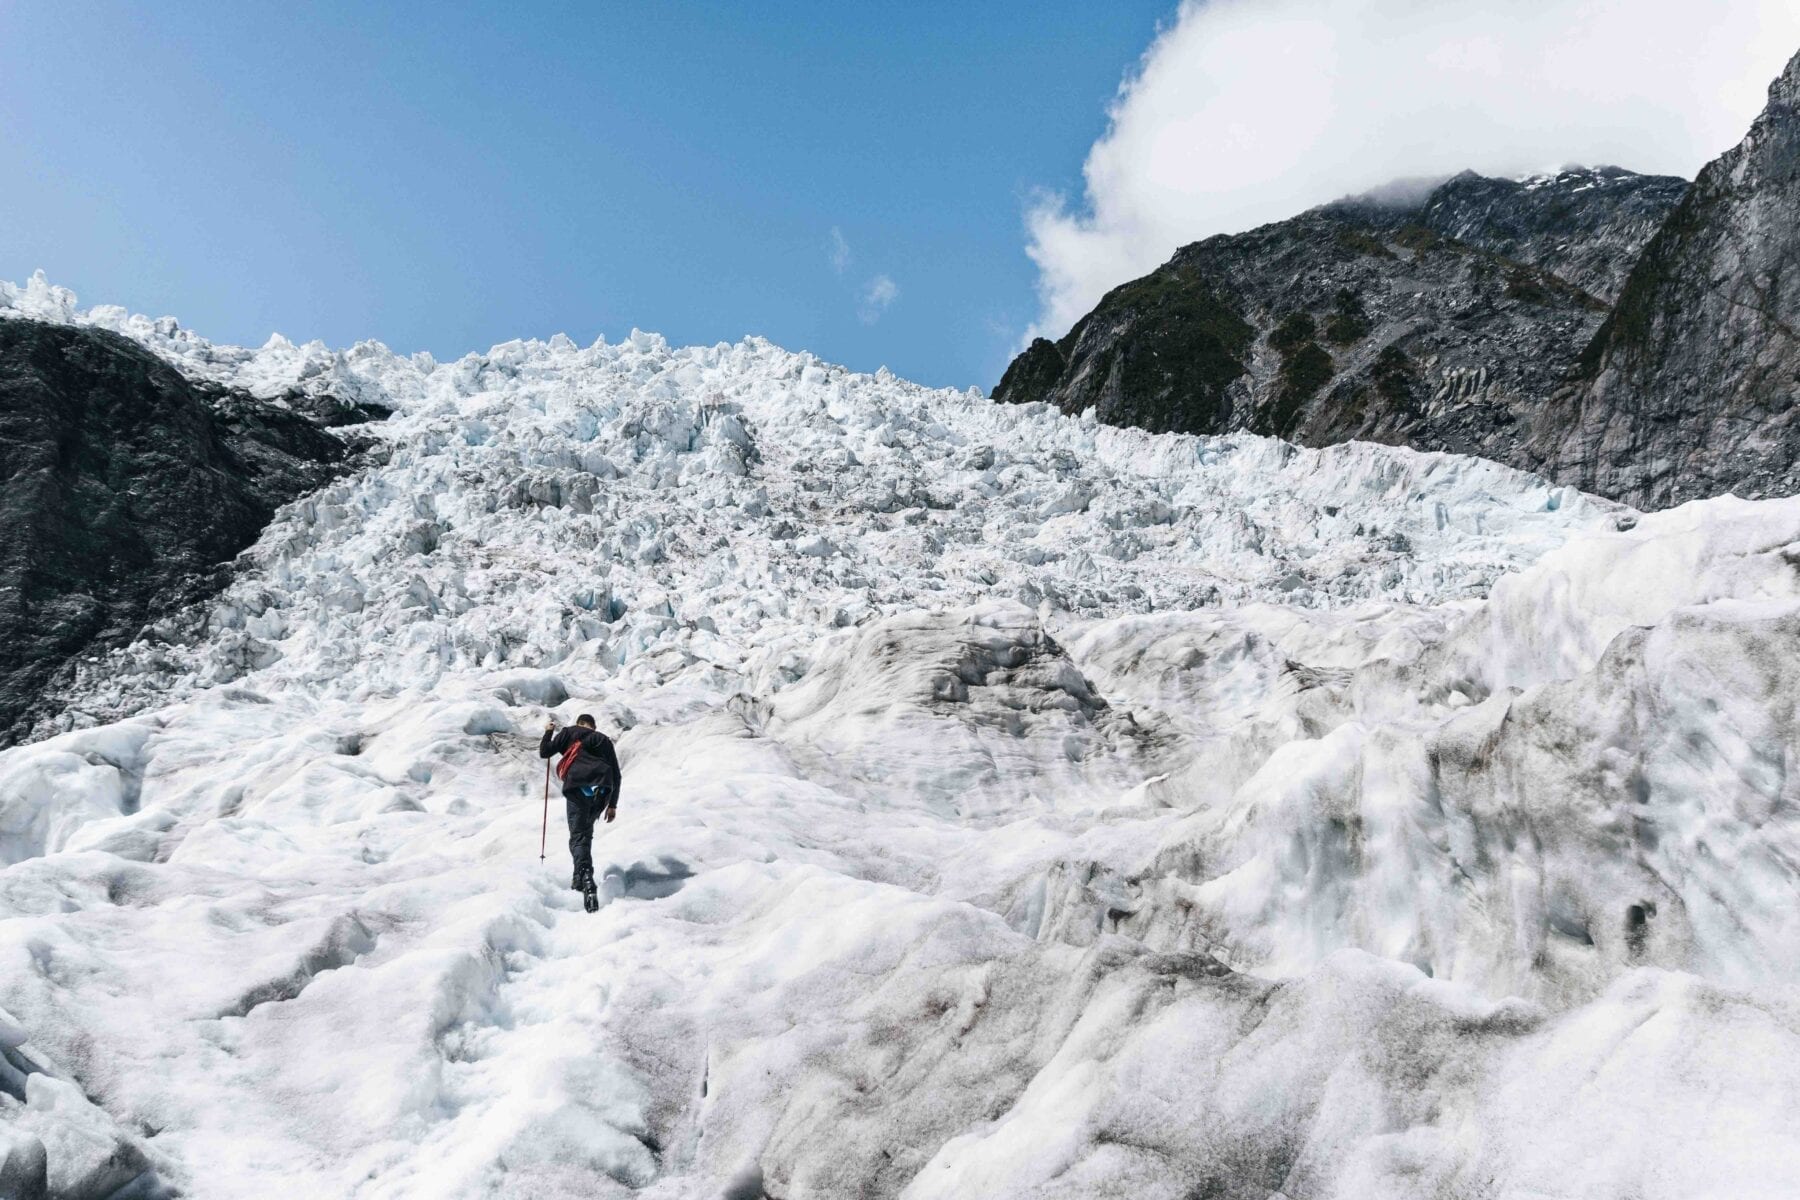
column 1585, row 225
column 1695, row 377
column 1625, row 334
column 128, row 488
column 1439, row 317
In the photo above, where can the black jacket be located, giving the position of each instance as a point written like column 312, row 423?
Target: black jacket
column 595, row 762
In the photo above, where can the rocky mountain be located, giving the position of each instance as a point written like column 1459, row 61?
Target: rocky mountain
column 1584, row 225
column 1690, row 386
column 1438, row 321
column 1622, row 333
column 124, row 488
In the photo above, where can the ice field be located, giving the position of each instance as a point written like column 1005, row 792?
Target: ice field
column 1013, row 807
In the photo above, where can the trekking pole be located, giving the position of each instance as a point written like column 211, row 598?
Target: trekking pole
column 544, row 837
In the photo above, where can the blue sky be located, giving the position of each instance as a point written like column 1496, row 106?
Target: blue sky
column 445, row 178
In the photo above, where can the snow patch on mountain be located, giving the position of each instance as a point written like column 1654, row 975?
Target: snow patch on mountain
column 1013, row 806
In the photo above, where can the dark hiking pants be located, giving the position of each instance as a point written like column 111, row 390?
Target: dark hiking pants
column 584, row 807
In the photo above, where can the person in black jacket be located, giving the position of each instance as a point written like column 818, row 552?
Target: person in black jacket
column 590, row 786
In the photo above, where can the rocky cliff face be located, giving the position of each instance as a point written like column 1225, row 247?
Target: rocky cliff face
column 1439, row 322
column 1691, row 384
column 1585, row 225
column 124, row 487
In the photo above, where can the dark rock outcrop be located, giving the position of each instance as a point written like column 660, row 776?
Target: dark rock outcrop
column 1431, row 316
column 1692, row 384
column 125, row 491
column 1163, row 352
column 1626, row 334
column 1584, row 225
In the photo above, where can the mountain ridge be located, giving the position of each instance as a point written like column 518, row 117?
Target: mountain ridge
column 1354, row 320
column 1682, row 390
column 1693, row 381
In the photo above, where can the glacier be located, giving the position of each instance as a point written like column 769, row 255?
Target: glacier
column 1014, row 806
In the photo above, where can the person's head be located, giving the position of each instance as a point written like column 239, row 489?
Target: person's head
column 585, row 721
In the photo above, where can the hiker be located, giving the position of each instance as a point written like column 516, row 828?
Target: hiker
column 590, row 784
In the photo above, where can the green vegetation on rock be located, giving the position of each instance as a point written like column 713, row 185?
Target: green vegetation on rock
column 1395, row 376
column 1305, row 368
column 1033, row 374
column 1295, row 330
column 1348, row 323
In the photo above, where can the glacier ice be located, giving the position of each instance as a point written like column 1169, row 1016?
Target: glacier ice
column 1013, row 806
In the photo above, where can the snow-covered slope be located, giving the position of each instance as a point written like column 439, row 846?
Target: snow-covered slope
column 1013, row 806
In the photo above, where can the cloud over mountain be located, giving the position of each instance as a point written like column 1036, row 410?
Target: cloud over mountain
column 1246, row 111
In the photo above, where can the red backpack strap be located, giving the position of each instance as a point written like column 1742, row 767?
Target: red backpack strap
column 568, row 759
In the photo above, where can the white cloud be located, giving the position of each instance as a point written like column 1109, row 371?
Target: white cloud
column 1248, row 111
column 877, row 295
column 840, row 251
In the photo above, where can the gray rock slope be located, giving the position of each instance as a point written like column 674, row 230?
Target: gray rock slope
column 124, row 488
column 1622, row 333
column 1584, row 225
column 1438, row 322
column 1692, row 381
